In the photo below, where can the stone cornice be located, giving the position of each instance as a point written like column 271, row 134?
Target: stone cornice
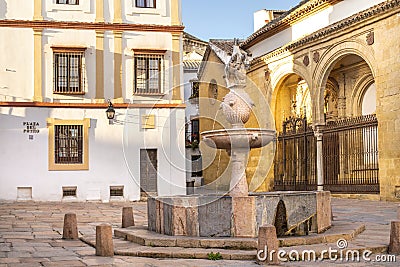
column 99, row 26
column 285, row 21
column 355, row 19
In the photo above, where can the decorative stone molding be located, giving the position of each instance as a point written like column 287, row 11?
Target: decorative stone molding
column 370, row 39
column 306, row 61
column 316, row 56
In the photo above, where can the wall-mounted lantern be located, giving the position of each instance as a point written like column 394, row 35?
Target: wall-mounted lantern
column 110, row 112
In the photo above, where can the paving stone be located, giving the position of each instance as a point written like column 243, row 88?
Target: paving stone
column 18, row 254
column 29, row 264
column 76, row 263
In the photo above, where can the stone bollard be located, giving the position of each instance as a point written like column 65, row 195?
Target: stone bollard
column 267, row 241
column 70, row 229
column 127, row 217
column 394, row 244
column 398, row 212
column 104, row 241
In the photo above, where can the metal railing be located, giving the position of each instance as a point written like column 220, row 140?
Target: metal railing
column 350, row 154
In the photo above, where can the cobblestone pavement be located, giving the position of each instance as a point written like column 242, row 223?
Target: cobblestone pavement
column 30, row 233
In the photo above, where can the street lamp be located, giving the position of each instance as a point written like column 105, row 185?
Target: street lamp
column 110, row 112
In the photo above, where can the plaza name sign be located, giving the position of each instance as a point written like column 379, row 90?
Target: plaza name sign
column 31, row 127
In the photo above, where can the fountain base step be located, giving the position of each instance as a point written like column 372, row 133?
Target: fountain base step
column 141, row 236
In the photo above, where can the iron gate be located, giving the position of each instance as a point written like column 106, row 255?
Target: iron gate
column 350, row 153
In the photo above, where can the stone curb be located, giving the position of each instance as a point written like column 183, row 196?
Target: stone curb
column 141, row 236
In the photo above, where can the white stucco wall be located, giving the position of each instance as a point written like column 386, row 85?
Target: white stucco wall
column 86, row 11
column 16, row 9
column 16, row 64
column 17, row 61
column 25, row 162
column 311, row 24
column 160, row 15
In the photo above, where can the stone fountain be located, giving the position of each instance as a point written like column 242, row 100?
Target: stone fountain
column 239, row 214
column 238, row 140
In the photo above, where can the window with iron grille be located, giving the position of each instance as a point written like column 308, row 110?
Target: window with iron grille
column 68, row 144
column 116, row 191
column 68, row 2
column 69, row 191
column 146, row 3
column 68, row 73
column 149, row 73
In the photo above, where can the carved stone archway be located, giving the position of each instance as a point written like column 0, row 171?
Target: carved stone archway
column 327, row 62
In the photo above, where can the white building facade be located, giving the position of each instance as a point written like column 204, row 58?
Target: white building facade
column 62, row 62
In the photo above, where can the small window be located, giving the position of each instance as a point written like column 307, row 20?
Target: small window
column 68, row 2
column 69, row 191
column 116, row 191
column 148, row 73
column 146, row 3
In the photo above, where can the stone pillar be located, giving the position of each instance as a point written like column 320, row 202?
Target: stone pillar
column 177, row 71
column 104, row 242
column 394, row 244
column 267, row 242
column 117, row 11
column 99, row 11
column 70, row 230
column 118, row 66
column 243, row 216
column 37, row 10
column 127, row 217
column 238, row 186
column 320, row 158
column 398, row 212
column 37, row 59
column 99, row 66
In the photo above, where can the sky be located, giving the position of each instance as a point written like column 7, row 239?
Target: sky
column 225, row 19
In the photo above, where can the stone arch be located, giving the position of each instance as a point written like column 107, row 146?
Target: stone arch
column 280, row 73
column 360, row 89
column 280, row 221
column 326, row 64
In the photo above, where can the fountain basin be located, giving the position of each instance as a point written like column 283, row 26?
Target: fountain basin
column 238, row 138
column 224, row 216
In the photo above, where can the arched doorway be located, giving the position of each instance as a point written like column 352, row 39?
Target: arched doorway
column 350, row 148
column 295, row 154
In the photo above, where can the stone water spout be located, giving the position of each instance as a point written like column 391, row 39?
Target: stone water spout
column 236, row 107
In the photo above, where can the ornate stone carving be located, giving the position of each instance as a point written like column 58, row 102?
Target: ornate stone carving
column 370, row 38
column 306, row 61
column 235, row 70
column 316, row 56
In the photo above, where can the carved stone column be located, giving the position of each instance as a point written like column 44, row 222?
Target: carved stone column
column 238, row 185
column 320, row 159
